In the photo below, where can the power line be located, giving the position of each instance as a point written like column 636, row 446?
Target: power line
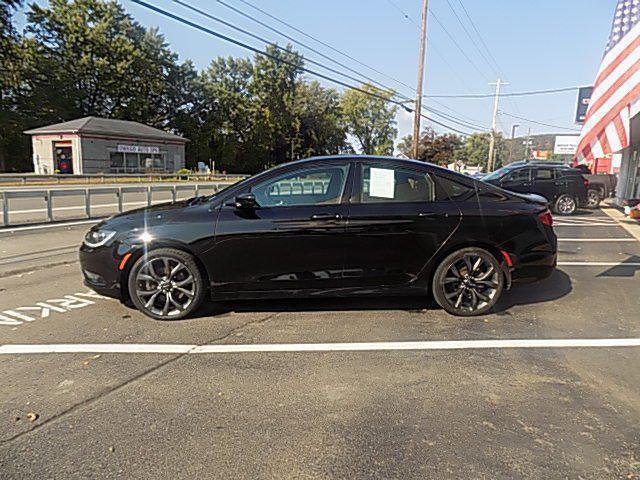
column 455, row 120
column 267, row 41
column 211, row 32
column 451, row 118
column 288, row 37
column 260, row 52
column 514, row 94
column 480, row 37
column 426, row 117
column 455, row 13
column 539, row 123
column 471, row 62
column 302, row 32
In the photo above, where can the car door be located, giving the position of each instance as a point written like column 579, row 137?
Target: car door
column 517, row 181
column 293, row 239
column 395, row 224
column 546, row 184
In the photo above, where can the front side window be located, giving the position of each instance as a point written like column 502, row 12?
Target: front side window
column 522, row 175
column 309, row 186
column 395, row 185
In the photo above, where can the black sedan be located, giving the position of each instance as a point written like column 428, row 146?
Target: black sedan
column 326, row 226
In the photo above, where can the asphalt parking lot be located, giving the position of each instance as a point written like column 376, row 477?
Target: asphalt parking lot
column 197, row 399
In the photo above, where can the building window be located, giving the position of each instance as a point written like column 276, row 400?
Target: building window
column 117, row 162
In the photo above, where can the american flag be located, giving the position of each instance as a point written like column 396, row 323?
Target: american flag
column 617, row 86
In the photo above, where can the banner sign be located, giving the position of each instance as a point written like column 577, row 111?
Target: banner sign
column 566, row 144
column 137, row 149
column 584, row 96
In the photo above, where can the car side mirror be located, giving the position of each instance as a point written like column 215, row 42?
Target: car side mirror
column 246, row 201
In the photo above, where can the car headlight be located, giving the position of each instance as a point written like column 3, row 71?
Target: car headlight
column 97, row 238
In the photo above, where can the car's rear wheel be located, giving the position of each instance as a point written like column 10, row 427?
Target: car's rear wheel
column 593, row 198
column 166, row 284
column 468, row 282
column 565, row 205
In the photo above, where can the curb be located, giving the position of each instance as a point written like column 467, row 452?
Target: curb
column 631, row 226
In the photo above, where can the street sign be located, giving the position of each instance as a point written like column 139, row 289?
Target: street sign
column 584, row 96
column 566, row 144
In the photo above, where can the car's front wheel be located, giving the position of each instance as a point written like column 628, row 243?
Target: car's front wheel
column 468, row 282
column 166, row 284
column 565, row 205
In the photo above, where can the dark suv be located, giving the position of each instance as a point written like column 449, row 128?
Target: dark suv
column 564, row 187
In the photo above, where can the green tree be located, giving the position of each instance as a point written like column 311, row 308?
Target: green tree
column 370, row 120
column 321, row 129
column 273, row 89
column 476, row 150
column 440, row 149
column 12, row 74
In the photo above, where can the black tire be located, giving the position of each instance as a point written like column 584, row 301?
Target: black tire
column 171, row 280
column 483, row 281
column 565, row 205
column 593, row 199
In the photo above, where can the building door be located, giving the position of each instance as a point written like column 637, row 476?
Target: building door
column 63, row 158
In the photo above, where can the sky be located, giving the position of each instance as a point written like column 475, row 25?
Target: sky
column 542, row 44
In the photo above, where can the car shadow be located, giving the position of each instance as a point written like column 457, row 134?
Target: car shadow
column 408, row 304
column 626, row 268
column 556, row 286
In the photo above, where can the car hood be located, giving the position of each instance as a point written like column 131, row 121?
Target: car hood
column 145, row 216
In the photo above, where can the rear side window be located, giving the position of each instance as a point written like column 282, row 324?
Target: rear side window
column 388, row 184
column 544, row 174
column 452, row 190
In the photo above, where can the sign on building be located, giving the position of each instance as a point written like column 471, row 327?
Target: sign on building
column 541, row 154
column 566, row 144
column 137, row 149
column 584, row 96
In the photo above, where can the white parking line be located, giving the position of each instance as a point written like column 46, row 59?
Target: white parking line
column 318, row 347
column 630, row 239
column 595, row 224
column 599, row 264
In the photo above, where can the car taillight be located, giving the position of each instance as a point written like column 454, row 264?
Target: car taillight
column 586, row 182
column 546, row 218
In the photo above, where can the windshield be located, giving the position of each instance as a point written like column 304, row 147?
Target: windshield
column 501, row 172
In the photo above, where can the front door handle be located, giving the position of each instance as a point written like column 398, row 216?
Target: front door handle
column 326, row 216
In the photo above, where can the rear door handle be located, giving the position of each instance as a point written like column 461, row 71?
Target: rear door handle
column 326, row 216
column 432, row 215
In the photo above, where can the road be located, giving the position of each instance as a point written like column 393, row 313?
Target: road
column 456, row 411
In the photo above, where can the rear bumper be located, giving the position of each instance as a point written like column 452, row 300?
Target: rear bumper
column 536, row 266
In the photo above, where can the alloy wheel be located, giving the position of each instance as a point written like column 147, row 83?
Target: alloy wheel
column 471, row 283
column 165, row 286
column 566, row 205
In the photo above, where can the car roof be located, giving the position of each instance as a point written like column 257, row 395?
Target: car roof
column 407, row 161
column 533, row 163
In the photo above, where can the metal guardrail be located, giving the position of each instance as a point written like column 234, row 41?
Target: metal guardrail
column 27, row 178
column 49, row 194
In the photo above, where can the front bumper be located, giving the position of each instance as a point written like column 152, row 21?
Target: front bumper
column 99, row 268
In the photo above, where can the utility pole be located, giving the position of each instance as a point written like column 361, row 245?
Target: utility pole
column 527, row 150
column 418, row 111
column 513, row 136
column 492, row 143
